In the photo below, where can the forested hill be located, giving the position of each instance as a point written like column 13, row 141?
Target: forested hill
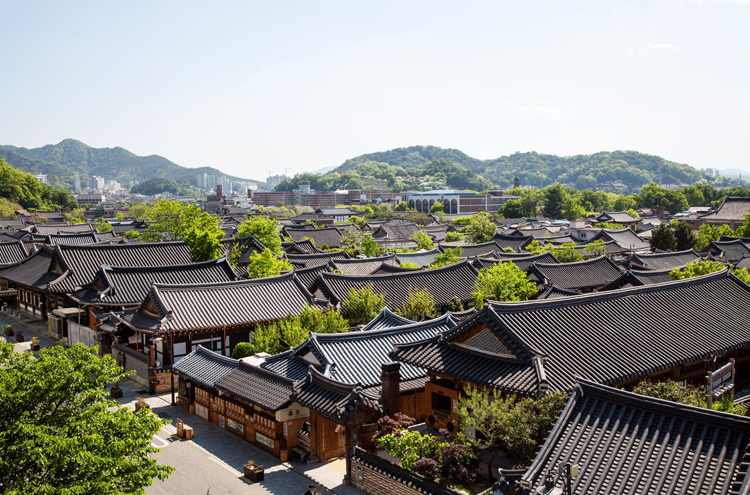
column 119, row 164
column 539, row 170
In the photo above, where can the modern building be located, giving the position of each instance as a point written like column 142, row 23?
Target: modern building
column 455, row 201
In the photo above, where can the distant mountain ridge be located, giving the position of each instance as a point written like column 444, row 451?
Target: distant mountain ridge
column 70, row 155
column 633, row 169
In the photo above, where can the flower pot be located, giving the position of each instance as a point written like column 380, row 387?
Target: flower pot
column 141, row 405
column 254, row 473
column 19, row 337
column 115, row 392
column 8, row 331
column 35, row 347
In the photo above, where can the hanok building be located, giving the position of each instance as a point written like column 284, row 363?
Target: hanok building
column 445, row 283
column 173, row 319
column 362, row 266
column 420, row 258
column 677, row 330
column 626, row 239
column 730, row 251
column 522, row 261
column 585, row 276
column 622, row 443
column 663, row 261
column 619, row 217
column 515, row 242
column 731, row 212
column 327, row 236
column 471, row 250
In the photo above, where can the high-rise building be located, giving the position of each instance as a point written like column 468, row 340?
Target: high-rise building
column 77, row 182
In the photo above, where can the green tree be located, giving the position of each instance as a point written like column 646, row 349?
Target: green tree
column 633, row 213
column 418, row 304
column 60, row 434
column 362, row 305
column 402, row 206
column 672, row 391
column 447, row 257
column 512, row 208
column 684, row 236
column 437, row 207
column 315, row 320
column 262, row 264
column 573, row 210
column 696, row 269
column 75, row 216
column 742, row 274
column 407, row 264
column 554, row 201
column 744, row 229
column 662, row 238
column 453, row 236
column 423, row 240
column 103, row 226
column 502, row 282
column 203, row 235
column 707, row 233
column 264, row 229
column 481, row 228
column 242, row 349
column 361, row 243
column 565, row 253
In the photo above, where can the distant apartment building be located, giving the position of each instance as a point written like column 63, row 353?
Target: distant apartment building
column 41, row 178
column 456, row 202
column 96, row 183
column 90, row 198
column 77, row 182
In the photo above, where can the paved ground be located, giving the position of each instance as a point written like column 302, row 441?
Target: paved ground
column 212, row 462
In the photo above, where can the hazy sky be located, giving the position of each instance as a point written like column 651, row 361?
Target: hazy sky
column 254, row 88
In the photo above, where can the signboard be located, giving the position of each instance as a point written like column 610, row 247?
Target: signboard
column 201, row 410
column 221, row 421
column 720, row 382
column 294, row 411
column 235, row 425
column 264, row 440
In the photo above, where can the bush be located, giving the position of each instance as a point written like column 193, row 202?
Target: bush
column 453, row 237
column 672, row 391
column 418, row 305
column 454, row 305
column 241, row 350
column 362, row 305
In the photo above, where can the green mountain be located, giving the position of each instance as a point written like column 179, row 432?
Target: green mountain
column 62, row 159
column 633, row 169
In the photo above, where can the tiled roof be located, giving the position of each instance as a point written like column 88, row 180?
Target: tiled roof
column 84, row 261
column 730, row 251
column 308, row 277
column 456, row 280
column 625, row 238
column 317, row 259
column 386, row 269
column 731, row 210
column 82, row 238
column 329, row 236
column 522, row 262
column 305, row 246
column 12, row 252
column 610, row 248
column 662, row 261
column 560, row 239
column 515, row 242
column 356, row 357
column 628, row 443
column 553, row 292
column 399, row 230
column 648, row 277
column 334, row 400
column 32, row 271
column 471, row 250
column 257, row 386
column 48, row 228
column 386, row 319
column 609, row 337
column 128, row 286
column 240, row 302
column 205, row 367
column 365, row 266
column 590, row 274
column 617, row 217
column 421, row 258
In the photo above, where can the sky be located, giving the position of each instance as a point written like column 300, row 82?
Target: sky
column 264, row 88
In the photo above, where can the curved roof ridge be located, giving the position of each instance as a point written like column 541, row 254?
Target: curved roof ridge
column 323, row 254
column 268, row 374
column 599, row 259
column 181, row 267
column 347, row 261
column 419, row 325
column 212, row 285
column 418, row 253
column 516, row 306
column 411, row 273
column 342, row 388
column 214, row 355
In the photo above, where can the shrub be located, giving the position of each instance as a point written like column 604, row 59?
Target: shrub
column 418, row 305
column 362, row 305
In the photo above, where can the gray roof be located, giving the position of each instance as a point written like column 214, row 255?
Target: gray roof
column 628, row 443
column 625, row 238
column 79, row 238
column 386, row 319
column 317, row 259
column 471, row 250
column 515, row 242
column 522, row 262
column 329, row 236
column 662, row 261
column 365, row 266
column 421, row 258
column 732, row 209
column 257, row 386
column 205, row 367
column 456, row 280
column 12, row 252
column 610, row 337
column 730, row 251
column 333, row 399
column 32, row 271
column 590, row 274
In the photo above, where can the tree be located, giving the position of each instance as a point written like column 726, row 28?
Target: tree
column 707, row 233
column 662, row 238
column 418, row 304
column 512, row 208
column 438, row 207
column 103, row 226
column 742, row 274
column 447, row 257
column 402, row 206
column 672, row 391
column 264, row 229
column 361, row 243
column 60, row 434
column 684, row 236
column 262, row 264
column 452, row 236
column 744, row 229
column 75, row 216
column 315, row 320
column 362, row 305
column 554, row 201
column 203, row 234
column 565, row 253
column 573, row 210
column 423, row 240
column 481, row 228
column 696, row 269
column 502, row 282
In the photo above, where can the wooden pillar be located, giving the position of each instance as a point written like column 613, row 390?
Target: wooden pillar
column 224, row 341
column 314, row 437
column 349, row 448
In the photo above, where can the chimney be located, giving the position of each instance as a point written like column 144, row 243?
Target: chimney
column 390, row 377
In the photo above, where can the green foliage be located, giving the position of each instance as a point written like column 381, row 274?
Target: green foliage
column 264, row 229
column 633, row 213
column 203, row 235
column 362, row 305
column 418, row 305
column 513, row 208
column 573, row 210
column 262, row 264
column 409, row 447
column 653, row 195
column 138, row 210
column 75, row 216
column 662, row 238
column 103, row 226
column 696, row 269
column 402, row 206
column 554, row 202
column 672, row 391
column 361, row 243
column 277, row 337
column 674, row 236
column 60, row 434
column 707, row 233
column 447, row 257
column 742, row 274
column 727, row 405
column 159, row 185
column 519, row 425
column 744, row 229
column 453, row 236
column 315, row 320
column 481, row 228
column 423, row 240
column 461, row 221
column 241, row 350
column 566, row 254
column 26, row 190
column 438, row 207
column 454, row 305
column 407, row 264
column 597, row 247
column 502, row 282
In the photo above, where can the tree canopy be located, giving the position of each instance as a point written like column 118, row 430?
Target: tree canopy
column 264, row 229
column 502, row 282
column 26, row 190
column 60, row 434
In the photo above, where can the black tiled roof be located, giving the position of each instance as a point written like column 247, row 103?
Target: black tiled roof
column 386, row 319
column 317, row 259
column 732, row 209
column 362, row 266
column 730, row 251
column 456, row 280
column 329, row 236
column 663, row 261
column 45, row 229
column 648, row 277
column 257, row 386
column 128, row 286
column 84, row 261
column 205, row 367
column 515, row 242
column 305, row 246
column 628, row 443
column 385, row 269
column 422, row 258
column 32, row 271
column 522, row 262
column 625, row 238
column 553, row 292
column 609, row 337
column 334, row 400
column 590, row 274
column 471, row 250
column 240, row 302
column 12, row 252
column 81, row 238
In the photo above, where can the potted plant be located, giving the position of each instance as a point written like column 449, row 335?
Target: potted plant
column 19, row 336
column 8, row 331
column 254, row 472
column 34, row 344
column 140, row 403
column 115, row 392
